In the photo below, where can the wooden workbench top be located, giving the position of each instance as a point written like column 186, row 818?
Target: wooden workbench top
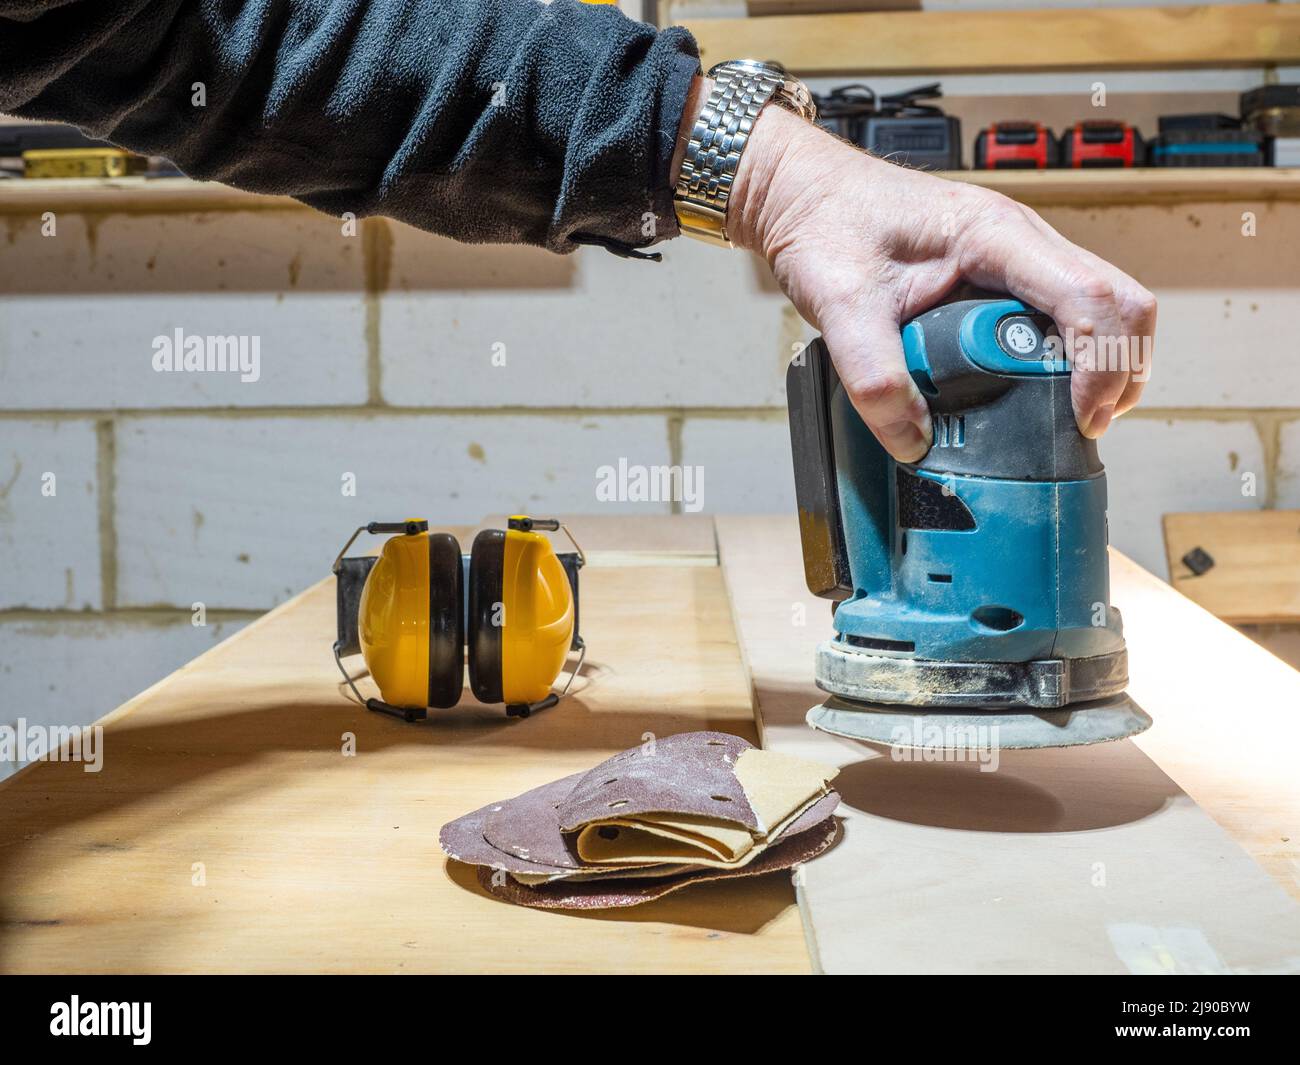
column 229, row 831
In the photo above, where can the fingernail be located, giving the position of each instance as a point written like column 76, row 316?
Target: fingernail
column 1100, row 419
column 906, row 441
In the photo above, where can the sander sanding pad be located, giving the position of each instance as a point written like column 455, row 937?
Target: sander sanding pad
column 948, row 728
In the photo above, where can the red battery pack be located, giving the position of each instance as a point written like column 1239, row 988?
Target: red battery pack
column 1102, row 143
column 1016, row 146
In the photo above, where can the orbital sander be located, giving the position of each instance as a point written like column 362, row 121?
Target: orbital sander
column 972, row 587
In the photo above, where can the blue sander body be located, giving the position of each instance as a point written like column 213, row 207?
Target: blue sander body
column 972, row 587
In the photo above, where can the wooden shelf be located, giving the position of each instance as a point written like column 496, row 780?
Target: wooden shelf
column 134, row 195
column 1037, row 187
column 1149, row 185
column 977, row 42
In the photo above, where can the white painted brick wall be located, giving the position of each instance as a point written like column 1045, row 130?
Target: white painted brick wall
column 1228, row 303
column 746, row 461
column 245, row 512
column 49, row 544
column 1288, row 487
column 79, row 310
column 1155, row 466
column 61, row 672
column 586, row 330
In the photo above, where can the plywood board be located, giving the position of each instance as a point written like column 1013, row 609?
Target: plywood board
column 1076, row 860
column 229, row 831
column 1256, row 574
column 1227, row 716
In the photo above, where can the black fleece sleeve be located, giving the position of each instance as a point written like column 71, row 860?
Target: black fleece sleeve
column 512, row 121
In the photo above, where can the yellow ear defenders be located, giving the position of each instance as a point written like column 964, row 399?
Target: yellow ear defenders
column 421, row 610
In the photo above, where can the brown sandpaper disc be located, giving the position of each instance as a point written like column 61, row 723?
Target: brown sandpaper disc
column 689, row 773
column 530, row 821
column 463, row 840
column 606, row 894
column 528, row 826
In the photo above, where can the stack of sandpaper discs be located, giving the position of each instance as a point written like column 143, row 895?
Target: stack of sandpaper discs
column 656, row 818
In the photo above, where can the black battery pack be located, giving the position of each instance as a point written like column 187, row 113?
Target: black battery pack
column 1206, row 140
column 926, row 142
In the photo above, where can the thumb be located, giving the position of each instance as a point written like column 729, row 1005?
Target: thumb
column 867, row 350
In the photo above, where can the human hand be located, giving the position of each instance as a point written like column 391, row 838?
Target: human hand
column 861, row 245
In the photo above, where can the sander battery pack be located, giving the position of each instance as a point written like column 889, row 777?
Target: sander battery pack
column 1206, row 140
column 1102, row 143
column 1016, row 146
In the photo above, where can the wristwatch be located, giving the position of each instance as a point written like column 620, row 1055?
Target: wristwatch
column 741, row 88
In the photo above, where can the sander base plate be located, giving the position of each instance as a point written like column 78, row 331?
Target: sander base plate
column 863, row 676
column 955, row 729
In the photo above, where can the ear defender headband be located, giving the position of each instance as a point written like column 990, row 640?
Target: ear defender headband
column 421, row 610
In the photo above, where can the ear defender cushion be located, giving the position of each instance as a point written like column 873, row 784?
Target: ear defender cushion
column 446, row 621
column 486, row 575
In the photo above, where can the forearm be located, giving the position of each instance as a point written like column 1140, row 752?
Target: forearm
column 487, row 120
